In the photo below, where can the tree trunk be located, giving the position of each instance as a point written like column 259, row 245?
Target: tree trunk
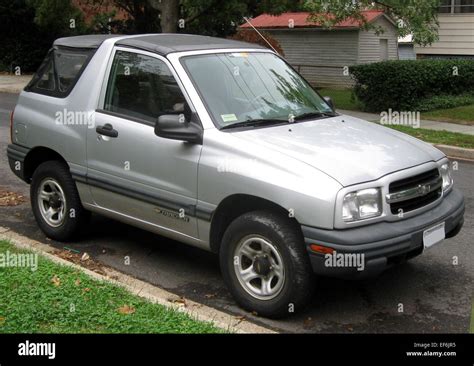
column 169, row 10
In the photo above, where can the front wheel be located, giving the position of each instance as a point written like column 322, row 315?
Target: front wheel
column 265, row 264
column 55, row 201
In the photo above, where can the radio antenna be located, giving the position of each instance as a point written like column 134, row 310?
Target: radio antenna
column 260, row 34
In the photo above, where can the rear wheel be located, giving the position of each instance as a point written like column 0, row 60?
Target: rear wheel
column 55, row 201
column 265, row 265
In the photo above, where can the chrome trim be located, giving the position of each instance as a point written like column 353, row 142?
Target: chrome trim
column 419, row 191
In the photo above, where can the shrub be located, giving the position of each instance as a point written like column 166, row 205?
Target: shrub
column 402, row 85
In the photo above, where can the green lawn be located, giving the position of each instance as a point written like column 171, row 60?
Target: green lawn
column 343, row 99
column 438, row 137
column 461, row 115
column 60, row 299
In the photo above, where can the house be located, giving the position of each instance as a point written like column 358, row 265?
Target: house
column 456, row 32
column 321, row 55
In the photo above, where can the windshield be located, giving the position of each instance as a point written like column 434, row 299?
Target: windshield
column 244, row 87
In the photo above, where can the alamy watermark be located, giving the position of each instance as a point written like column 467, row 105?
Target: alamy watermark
column 15, row 260
column 238, row 165
column 28, row 348
column 75, row 118
column 397, row 118
column 345, row 260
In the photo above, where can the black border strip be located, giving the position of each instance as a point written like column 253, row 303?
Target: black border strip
column 175, row 205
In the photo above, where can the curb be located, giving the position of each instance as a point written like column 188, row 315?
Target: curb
column 456, row 152
column 142, row 289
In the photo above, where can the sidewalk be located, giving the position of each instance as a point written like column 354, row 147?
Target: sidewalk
column 430, row 125
column 13, row 84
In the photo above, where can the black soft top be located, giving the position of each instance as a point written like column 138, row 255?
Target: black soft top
column 162, row 44
column 89, row 41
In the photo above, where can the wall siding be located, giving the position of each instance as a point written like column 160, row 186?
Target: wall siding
column 305, row 49
column 321, row 55
column 456, row 36
column 369, row 49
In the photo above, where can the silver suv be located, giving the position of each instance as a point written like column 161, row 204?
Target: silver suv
column 222, row 145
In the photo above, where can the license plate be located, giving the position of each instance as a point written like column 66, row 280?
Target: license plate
column 433, row 235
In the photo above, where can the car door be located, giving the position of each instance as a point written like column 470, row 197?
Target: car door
column 131, row 171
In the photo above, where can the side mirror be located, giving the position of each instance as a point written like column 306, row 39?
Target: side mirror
column 330, row 103
column 176, row 127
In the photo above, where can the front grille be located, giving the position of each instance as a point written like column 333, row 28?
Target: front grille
column 413, row 182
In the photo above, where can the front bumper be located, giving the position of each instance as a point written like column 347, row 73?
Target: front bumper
column 382, row 244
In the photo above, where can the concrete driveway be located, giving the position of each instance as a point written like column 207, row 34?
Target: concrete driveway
column 436, row 295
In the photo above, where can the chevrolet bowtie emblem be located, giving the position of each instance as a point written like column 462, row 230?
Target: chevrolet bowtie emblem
column 424, row 189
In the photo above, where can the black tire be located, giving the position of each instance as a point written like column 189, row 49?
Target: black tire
column 75, row 215
column 283, row 234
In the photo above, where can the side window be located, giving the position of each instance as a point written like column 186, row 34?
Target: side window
column 142, row 87
column 59, row 72
column 68, row 66
column 46, row 79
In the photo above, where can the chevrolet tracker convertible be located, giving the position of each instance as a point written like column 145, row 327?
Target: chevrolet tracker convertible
column 224, row 146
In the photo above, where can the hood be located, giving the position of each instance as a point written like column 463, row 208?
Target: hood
column 348, row 149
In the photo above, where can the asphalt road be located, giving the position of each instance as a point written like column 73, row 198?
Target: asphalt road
column 436, row 295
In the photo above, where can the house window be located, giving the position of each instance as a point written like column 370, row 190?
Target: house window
column 456, row 6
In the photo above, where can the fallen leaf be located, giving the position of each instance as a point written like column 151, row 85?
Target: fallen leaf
column 56, row 281
column 177, row 300
column 2, row 320
column 126, row 309
column 8, row 198
column 77, row 282
column 85, row 257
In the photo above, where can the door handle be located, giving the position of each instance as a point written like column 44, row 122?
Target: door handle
column 107, row 130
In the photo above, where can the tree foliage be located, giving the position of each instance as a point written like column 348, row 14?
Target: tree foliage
column 417, row 17
column 60, row 17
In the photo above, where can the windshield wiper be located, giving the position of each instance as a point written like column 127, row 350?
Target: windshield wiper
column 254, row 123
column 315, row 115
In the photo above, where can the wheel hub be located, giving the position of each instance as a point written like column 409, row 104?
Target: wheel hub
column 259, row 269
column 55, row 202
column 262, row 265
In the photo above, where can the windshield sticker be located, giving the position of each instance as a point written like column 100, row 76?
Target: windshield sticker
column 240, row 54
column 228, row 117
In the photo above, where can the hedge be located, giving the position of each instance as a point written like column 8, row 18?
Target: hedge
column 403, row 85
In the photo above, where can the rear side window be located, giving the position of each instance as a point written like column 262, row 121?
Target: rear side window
column 46, row 80
column 68, row 66
column 60, row 71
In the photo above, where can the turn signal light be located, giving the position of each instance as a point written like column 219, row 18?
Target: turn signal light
column 320, row 249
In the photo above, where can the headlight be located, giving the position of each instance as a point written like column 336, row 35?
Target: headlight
column 446, row 175
column 362, row 204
